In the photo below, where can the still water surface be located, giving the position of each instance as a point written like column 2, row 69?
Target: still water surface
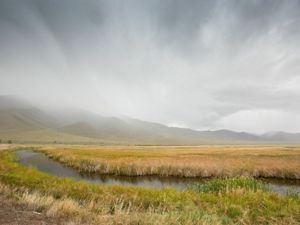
column 47, row 165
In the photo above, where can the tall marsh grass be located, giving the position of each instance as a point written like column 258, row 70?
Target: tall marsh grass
column 216, row 161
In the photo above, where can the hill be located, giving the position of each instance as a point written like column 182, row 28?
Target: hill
column 21, row 121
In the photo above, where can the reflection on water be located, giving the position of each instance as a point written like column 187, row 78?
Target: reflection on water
column 47, row 165
column 282, row 186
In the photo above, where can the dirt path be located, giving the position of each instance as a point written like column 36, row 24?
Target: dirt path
column 12, row 213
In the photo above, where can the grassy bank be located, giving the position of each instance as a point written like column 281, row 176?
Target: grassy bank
column 204, row 161
column 221, row 201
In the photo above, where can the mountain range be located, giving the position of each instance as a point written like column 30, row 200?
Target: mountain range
column 21, row 122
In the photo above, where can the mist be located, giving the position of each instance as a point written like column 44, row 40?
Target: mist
column 198, row 64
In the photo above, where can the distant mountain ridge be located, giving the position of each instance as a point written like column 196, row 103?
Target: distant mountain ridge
column 21, row 121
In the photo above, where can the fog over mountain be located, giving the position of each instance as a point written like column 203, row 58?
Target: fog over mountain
column 205, row 65
column 22, row 122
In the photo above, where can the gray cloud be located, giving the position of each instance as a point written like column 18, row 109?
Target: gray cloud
column 199, row 64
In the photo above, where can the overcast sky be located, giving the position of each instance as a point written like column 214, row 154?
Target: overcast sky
column 199, row 64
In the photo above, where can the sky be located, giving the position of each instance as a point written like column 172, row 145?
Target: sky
column 218, row 64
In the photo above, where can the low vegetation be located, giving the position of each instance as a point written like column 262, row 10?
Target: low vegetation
column 221, row 201
column 227, row 185
column 202, row 161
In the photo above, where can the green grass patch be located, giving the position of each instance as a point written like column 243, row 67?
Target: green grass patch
column 222, row 185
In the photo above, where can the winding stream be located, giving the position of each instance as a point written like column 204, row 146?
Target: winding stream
column 47, row 165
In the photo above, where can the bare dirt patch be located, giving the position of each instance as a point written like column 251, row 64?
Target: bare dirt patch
column 15, row 213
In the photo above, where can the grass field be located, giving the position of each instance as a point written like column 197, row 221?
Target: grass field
column 202, row 161
column 240, row 200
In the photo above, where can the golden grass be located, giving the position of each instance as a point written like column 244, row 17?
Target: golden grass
column 186, row 161
column 100, row 204
column 7, row 146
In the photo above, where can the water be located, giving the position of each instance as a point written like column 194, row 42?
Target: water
column 47, row 165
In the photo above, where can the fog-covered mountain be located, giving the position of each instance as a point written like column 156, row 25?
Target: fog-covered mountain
column 21, row 121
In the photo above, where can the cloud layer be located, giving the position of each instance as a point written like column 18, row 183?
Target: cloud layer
column 201, row 64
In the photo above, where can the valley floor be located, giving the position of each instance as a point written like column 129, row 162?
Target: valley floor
column 39, row 198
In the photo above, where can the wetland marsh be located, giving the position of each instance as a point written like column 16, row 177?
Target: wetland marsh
column 69, row 198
